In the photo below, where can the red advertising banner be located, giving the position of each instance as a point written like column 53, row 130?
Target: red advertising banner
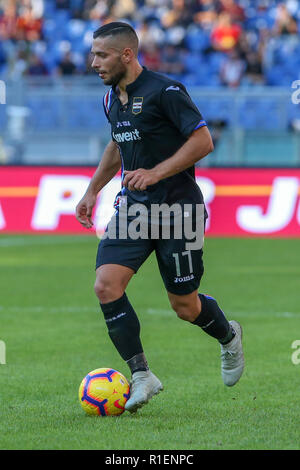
column 240, row 202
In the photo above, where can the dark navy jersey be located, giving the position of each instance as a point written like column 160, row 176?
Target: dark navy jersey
column 156, row 121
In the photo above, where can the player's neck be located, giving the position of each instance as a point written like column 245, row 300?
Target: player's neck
column 130, row 77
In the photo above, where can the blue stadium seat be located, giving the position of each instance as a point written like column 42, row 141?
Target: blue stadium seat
column 197, row 40
column 51, row 31
column 75, row 30
column 83, row 114
column 190, row 80
column 63, row 31
column 59, row 48
column 215, row 61
column 94, row 117
column 49, row 9
column 73, row 118
column 215, row 108
column 62, row 17
column 258, row 113
column 2, row 117
column 274, row 76
column 193, row 62
column 92, row 25
column 46, row 113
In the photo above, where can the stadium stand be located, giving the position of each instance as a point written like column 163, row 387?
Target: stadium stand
column 201, row 32
column 215, row 47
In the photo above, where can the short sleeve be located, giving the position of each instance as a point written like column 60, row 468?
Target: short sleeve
column 180, row 109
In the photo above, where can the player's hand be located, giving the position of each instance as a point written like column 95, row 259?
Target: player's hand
column 139, row 180
column 84, row 210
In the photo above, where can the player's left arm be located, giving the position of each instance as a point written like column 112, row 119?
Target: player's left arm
column 198, row 145
column 176, row 105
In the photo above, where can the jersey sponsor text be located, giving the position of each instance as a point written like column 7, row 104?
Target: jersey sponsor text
column 126, row 136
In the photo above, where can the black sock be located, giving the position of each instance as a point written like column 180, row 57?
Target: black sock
column 137, row 363
column 124, row 330
column 213, row 321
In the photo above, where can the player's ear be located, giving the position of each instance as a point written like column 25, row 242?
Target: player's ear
column 127, row 55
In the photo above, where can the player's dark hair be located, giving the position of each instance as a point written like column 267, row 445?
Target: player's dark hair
column 113, row 29
column 116, row 28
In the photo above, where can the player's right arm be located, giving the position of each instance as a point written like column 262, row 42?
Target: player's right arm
column 107, row 168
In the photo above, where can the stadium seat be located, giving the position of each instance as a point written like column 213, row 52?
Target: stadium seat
column 2, row 117
column 64, row 30
column 51, row 31
column 45, row 113
column 83, row 114
column 197, row 40
column 193, row 61
column 215, row 61
column 75, row 30
column 253, row 112
column 49, row 9
column 62, row 17
column 274, row 76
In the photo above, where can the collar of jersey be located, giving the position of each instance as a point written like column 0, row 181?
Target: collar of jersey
column 132, row 86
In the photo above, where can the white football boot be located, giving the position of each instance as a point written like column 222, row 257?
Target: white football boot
column 232, row 357
column 144, row 384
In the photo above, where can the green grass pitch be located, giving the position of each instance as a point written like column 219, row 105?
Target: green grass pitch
column 55, row 334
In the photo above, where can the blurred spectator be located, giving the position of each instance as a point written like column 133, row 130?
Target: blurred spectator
column 149, row 32
column 62, row 4
column 253, row 71
column 235, row 11
column 123, row 8
column 2, row 55
column 180, row 14
column 66, row 66
column 171, row 60
column 263, row 34
column 8, row 21
column 98, row 10
column 18, row 66
column 88, row 65
column 76, row 7
column 151, row 57
column 225, row 35
column 232, row 70
column 37, row 7
column 205, row 13
column 285, row 24
column 36, row 66
column 28, row 27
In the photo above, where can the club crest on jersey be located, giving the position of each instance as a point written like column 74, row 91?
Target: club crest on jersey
column 137, row 104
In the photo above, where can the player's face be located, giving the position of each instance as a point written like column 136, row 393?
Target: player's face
column 108, row 61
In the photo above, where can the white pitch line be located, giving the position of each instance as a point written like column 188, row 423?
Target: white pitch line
column 41, row 309
column 164, row 312
column 149, row 311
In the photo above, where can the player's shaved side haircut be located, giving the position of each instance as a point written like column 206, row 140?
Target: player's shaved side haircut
column 118, row 28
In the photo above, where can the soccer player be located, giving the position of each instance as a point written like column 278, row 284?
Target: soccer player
column 158, row 134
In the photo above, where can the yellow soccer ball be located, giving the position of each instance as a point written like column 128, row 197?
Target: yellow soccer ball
column 104, row 392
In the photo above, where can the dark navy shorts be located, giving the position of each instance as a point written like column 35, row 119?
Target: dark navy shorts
column 180, row 269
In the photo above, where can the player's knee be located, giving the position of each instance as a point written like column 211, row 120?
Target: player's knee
column 106, row 291
column 100, row 289
column 183, row 310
